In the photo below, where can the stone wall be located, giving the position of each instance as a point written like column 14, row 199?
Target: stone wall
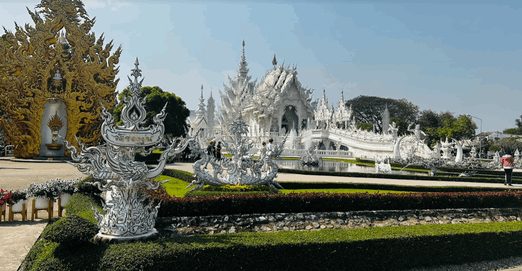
column 332, row 220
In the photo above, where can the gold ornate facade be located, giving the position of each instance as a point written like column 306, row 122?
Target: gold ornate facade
column 56, row 58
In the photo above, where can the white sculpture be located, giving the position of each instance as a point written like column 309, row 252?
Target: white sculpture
column 473, row 152
column 393, row 130
column 460, row 153
column 437, row 150
column 128, row 214
column 446, row 149
column 383, row 167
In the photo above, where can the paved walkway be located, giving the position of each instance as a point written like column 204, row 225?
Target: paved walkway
column 20, row 174
column 16, row 238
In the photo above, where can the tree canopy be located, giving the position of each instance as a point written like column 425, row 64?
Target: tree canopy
column 155, row 99
column 445, row 124
column 517, row 130
column 368, row 111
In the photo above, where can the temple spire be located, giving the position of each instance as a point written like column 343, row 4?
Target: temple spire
column 342, row 96
column 201, row 107
column 274, row 61
column 243, row 65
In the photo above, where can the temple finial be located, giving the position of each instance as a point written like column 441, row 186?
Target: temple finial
column 274, row 61
column 243, row 65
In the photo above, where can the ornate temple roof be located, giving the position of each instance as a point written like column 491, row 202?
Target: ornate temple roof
column 342, row 113
column 274, row 86
column 322, row 112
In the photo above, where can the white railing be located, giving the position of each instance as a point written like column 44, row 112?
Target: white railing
column 319, row 153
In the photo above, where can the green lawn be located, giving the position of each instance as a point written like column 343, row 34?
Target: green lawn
column 174, row 187
column 336, row 235
column 178, row 188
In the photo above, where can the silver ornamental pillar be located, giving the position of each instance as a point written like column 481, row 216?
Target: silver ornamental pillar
column 127, row 213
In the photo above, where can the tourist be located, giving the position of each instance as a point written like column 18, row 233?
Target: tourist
column 507, row 163
column 262, row 151
column 210, row 151
column 217, row 152
column 270, row 147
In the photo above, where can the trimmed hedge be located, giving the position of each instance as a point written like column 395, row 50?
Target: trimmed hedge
column 330, row 202
column 70, row 230
column 388, row 248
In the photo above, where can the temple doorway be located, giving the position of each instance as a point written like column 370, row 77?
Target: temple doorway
column 290, row 120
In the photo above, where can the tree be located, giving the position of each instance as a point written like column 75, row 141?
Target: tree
column 429, row 122
column 517, row 130
column 368, row 111
column 445, row 124
column 508, row 144
column 155, row 99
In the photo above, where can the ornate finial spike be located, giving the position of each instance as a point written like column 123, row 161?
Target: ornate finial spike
column 274, row 61
column 342, row 95
column 201, row 91
column 243, row 44
column 136, row 72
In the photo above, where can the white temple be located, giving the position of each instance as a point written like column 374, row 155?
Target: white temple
column 280, row 106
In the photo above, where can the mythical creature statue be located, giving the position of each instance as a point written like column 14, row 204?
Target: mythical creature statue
column 310, row 158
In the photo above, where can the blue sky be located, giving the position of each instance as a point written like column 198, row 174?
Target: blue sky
column 461, row 56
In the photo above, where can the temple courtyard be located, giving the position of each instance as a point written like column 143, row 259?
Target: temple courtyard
column 16, row 238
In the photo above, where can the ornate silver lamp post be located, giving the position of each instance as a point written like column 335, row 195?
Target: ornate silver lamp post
column 127, row 212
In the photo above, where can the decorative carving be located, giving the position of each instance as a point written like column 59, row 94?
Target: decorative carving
column 128, row 214
column 56, row 57
column 241, row 169
column 55, row 124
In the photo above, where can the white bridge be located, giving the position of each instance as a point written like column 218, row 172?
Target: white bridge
column 333, row 142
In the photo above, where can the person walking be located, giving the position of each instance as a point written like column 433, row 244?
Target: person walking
column 211, row 148
column 217, row 153
column 507, row 162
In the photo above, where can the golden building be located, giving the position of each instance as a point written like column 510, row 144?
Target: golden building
column 54, row 77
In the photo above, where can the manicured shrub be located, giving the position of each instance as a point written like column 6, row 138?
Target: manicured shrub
column 392, row 248
column 82, row 206
column 330, row 202
column 70, row 230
